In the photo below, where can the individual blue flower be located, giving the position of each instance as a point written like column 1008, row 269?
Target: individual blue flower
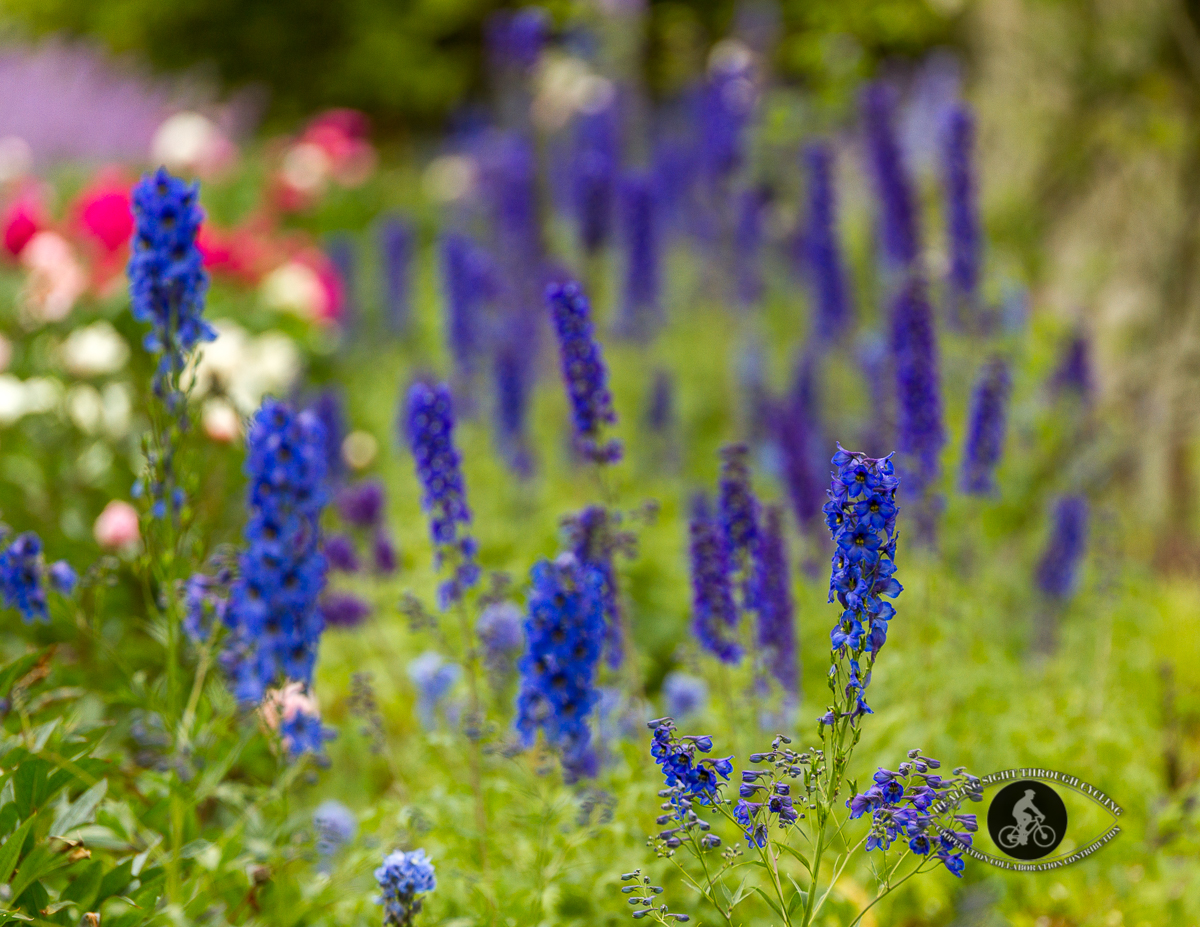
column 584, row 372
column 898, row 226
column 397, row 246
column 273, row 611
column 962, row 213
column 641, row 299
column 824, row 267
column 402, row 877
column 62, row 577
column 167, row 281
column 429, row 425
column 986, row 426
column 714, row 613
column 303, row 733
column 564, row 635
column 694, row 779
column 335, row 824
column 773, row 603
column 434, row 679
column 684, row 695
column 22, row 578
column 1058, row 570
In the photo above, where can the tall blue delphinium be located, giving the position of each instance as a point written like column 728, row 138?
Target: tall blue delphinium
column 726, row 106
column 329, row 409
column 738, row 511
column 898, row 218
column 987, row 424
column 510, row 184
column 402, row 877
column 1058, row 570
column 344, row 258
column 429, row 427
column 824, row 268
column 469, row 279
column 397, row 249
column 748, row 239
column 272, row 613
column 584, row 372
column 773, row 604
column 714, row 612
column 22, row 578
column 564, row 634
column 919, row 431
column 795, row 423
column 594, row 167
column 641, row 297
column 962, row 215
column 861, row 515
column 514, row 370
column 593, row 538
column 167, row 281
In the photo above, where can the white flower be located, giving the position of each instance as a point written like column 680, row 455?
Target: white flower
column 12, row 399
column 94, row 350
column 189, row 143
column 293, row 287
column 56, row 279
column 85, row 407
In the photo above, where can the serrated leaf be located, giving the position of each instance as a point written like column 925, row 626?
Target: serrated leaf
column 80, row 811
column 10, row 852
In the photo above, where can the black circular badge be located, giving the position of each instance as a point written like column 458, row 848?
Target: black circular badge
column 1027, row 819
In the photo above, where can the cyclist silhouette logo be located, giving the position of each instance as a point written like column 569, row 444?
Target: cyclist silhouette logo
column 1027, row 820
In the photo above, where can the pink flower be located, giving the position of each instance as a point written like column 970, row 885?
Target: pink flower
column 117, row 526
column 23, row 219
column 103, row 210
column 280, row 705
column 56, row 279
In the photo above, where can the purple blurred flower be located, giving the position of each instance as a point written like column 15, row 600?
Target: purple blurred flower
column 823, row 265
column 1074, row 371
column 641, row 306
column 898, row 221
column 499, row 630
column 383, row 553
column 1058, row 570
column 713, row 610
column 343, row 610
column 594, row 165
column 919, row 431
column 660, row 409
column 362, row 504
column 328, row 409
column 962, row 214
column 515, row 37
column 397, row 247
column 434, row 679
column 773, row 602
column 748, row 239
column 684, row 696
column 344, row 258
column 340, row 553
column 986, row 426
column 468, row 276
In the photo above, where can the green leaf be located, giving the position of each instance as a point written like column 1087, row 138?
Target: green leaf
column 797, row 854
column 10, row 852
column 8, row 817
column 41, row 862
column 32, row 898
column 774, row 905
column 29, row 785
column 83, row 888
column 114, row 882
column 17, row 670
column 79, row 812
column 798, row 899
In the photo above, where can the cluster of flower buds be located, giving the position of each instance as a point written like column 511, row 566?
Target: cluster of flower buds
column 916, row 802
column 689, row 782
column 767, row 792
column 643, row 894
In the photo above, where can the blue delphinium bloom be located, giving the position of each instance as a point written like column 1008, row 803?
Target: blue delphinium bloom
column 1058, row 570
column 167, row 281
column 592, row 536
column 402, row 877
column 340, row 553
column 514, row 375
column 335, row 824
column 694, row 780
column 641, row 300
column 434, row 679
column 429, row 426
column 795, row 424
column 62, row 577
column 714, row 613
column 22, row 578
column 898, row 228
column 341, row 253
column 584, row 372
column 986, row 427
column 962, row 213
column 748, row 239
column 343, row 610
column 303, row 732
column 727, row 103
column 564, row 635
column 510, row 187
column 823, row 264
column 861, row 515
column 383, row 553
column 738, row 512
column 362, row 504
column 919, row 431
column 1073, row 374
column 328, row 408
column 773, row 603
column 397, row 246
column 499, row 631
column 469, row 280
column 594, row 174
column 515, row 37
column 684, row 695
column 920, row 807
column 273, row 613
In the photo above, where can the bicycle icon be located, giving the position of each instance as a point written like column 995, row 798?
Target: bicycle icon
column 1031, row 825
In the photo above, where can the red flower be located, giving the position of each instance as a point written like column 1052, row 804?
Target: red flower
column 23, row 219
column 103, row 211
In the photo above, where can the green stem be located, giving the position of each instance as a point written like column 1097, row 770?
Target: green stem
column 470, row 658
column 884, row 893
